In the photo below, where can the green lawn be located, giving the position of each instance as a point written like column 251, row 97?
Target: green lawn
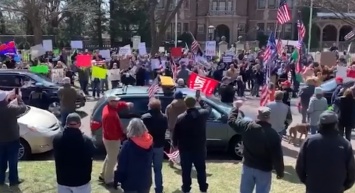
column 223, row 177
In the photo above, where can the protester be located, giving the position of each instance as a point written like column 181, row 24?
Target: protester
column 258, row 79
column 96, row 90
column 325, row 162
column 38, row 98
column 67, row 99
column 183, row 73
column 134, row 170
column 73, row 156
column 189, row 137
column 113, row 134
column 345, row 108
column 227, row 90
column 317, row 105
column 259, row 158
column 157, row 124
column 84, row 76
column 10, row 136
column 281, row 115
column 287, row 92
column 240, row 86
column 180, row 83
column 305, row 95
column 337, row 92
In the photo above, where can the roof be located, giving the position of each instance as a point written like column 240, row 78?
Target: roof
column 14, row 71
column 142, row 90
column 335, row 15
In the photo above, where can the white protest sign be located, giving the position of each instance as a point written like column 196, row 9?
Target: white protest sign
column 155, row 63
column 227, row 59
column 210, row 48
column 57, row 75
column 114, row 74
column 203, row 61
column 136, row 40
column 161, row 49
column 76, row 44
column 47, row 45
column 105, row 54
column 230, row 53
column 142, row 49
column 37, row 51
column 125, row 51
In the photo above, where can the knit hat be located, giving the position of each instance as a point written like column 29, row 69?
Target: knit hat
column 328, row 117
column 318, row 90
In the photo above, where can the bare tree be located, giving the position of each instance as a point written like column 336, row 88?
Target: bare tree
column 160, row 20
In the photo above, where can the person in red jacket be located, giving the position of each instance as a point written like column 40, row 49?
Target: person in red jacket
column 112, row 132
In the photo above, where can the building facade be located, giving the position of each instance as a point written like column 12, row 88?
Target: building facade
column 241, row 20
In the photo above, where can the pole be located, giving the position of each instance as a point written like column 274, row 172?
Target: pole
column 176, row 20
column 310, row 27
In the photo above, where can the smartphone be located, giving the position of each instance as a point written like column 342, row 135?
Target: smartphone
column 198, row 94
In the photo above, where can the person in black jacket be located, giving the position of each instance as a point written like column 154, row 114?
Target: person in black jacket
column 157, row 124
column 259, row 158
column 345, row 108
column 189, row 136
column 227, row 90
column 325, row 162
column 287, row 91
column 73, row 155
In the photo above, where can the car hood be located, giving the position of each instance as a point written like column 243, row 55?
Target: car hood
column 39, row 119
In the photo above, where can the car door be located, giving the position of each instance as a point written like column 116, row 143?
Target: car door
column 140, row 106
column 217, row 131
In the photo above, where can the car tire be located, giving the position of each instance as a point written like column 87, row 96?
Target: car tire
column 236, row 147
column 24, row 152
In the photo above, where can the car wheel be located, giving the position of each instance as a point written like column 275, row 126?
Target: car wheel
column 24, row 151
column 236, row 147
column 54, row 108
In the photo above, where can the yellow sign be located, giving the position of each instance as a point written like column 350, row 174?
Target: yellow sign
column 98, row 72
column 166, row 81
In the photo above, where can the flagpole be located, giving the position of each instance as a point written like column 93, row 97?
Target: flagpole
column 310, row 27
column 176, row 20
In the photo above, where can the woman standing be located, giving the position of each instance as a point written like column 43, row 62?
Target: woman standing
column 344, row 106
column 317, row 105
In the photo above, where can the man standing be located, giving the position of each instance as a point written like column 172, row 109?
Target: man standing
column 9, row 137
column 67, row 98
column 325, row 162
column 157, row 124
column 113, row 133
column 338, row 89
column 73, row 155
column 189, row 136
column 259, row 158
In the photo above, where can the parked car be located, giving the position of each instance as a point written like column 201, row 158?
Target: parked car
column 10, row 78
column 37, row 136
column 219, row 135
column 329, row 86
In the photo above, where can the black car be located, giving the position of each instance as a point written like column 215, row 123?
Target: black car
column 329, row 86
column 10, row 78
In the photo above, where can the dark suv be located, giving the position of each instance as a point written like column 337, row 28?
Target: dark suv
column 10, row 78
column 219, row 135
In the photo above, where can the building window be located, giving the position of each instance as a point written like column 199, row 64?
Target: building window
column 179, row 28
column 230, row 5
column 287, row 31
column 186, row 4
column 185, row 27
column 270, row 27
column 271, row 4
column 261, row 4
column 222, row 6
column 201, row 29
column 261, row 26
column 214, row 5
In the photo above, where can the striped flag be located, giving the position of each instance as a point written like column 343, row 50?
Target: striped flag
column 349, row 35
column 153, row 88
column 279, row 47
column 283, row 13
column 195, row 46
column 301, row 29
column 270, row 50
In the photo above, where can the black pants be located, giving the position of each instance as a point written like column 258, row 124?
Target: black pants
column 84, row 86
column 347, row 130
column 199, row 161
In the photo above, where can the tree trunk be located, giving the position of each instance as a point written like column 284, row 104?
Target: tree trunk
column 37, row 31
column 112, row 23
column 99, row 25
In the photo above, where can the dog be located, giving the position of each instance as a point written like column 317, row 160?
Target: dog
column 302, row 128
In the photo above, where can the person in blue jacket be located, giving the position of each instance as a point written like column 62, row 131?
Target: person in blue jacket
column 134, row 170
column 337, row 91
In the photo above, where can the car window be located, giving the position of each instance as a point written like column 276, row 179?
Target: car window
column 7, row 80
column 140, row 106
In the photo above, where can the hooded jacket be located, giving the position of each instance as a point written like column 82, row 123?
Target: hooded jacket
column 135, row 169
column 67, row 96
column 173, row 110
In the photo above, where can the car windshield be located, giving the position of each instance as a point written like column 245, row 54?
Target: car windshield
column 225, row 107
column 329, row 85
column 41, row 79
column 27, row 109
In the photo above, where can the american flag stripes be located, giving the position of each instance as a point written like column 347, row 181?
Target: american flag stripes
column 350, row 35
column 283, row 13
column 153, row 88
column 194, row 46
column 270, row 50
column 265, row 92
column 279, row 47
column 173, row 155
column 301, row 29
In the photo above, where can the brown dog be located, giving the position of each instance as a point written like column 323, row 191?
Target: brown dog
column 302, row 128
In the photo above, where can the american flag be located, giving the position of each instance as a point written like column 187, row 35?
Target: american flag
column 349, row 35
column 279, row 47
column 301, row 29
column 173, row 155
column 270, row 54
column 283, row 13
column 194, row 45
column 153, row 88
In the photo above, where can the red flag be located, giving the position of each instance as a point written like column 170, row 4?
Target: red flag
column 206, row 85
column 176, row 52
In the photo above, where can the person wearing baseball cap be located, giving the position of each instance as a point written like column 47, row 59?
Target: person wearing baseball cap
column 10, row 136
column 287, row 90
column 73, row 155
column 67, row 99
column 338, row 90
column 326, row 162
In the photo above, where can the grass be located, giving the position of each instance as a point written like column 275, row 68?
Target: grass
column 223, row 177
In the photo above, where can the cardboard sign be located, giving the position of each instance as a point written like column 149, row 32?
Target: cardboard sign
column 57, row 75
column 328, row 59
column 83, row 60
column 114, row 74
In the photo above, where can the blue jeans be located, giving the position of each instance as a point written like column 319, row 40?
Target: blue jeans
column 95, row 87
column 255, row 178
column 199, row 161
column 255, row 90
column 314, row 129
column 158, row 156
column 9, row 158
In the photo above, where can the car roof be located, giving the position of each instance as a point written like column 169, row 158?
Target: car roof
column 142, row 91
column 13, row 71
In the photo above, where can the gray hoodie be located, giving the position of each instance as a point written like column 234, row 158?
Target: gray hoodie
column 317, row 105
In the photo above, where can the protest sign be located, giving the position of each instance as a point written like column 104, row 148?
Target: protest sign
column 125, row 51
column 136, row 40
column 98, row 72
column 105, row 54
column 204, row 84
column 161, row 49
column 227, row 59
column 37, row 51
column 114, row 74
column 40, row 69
column 176, row 52
column 76, row 44
column 210, row 48
column 83, row 61
column 142, row 49
column 155, row 63
column 57, row 75
column 328, row 59
column 47, row 45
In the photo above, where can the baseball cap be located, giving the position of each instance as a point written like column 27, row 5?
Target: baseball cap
column 286, row 83
column 66, row 80
column 340, row 79
column 328, row 117
column 3, row 95
column 113, row 98
column 264, row 112
column 73, row 118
